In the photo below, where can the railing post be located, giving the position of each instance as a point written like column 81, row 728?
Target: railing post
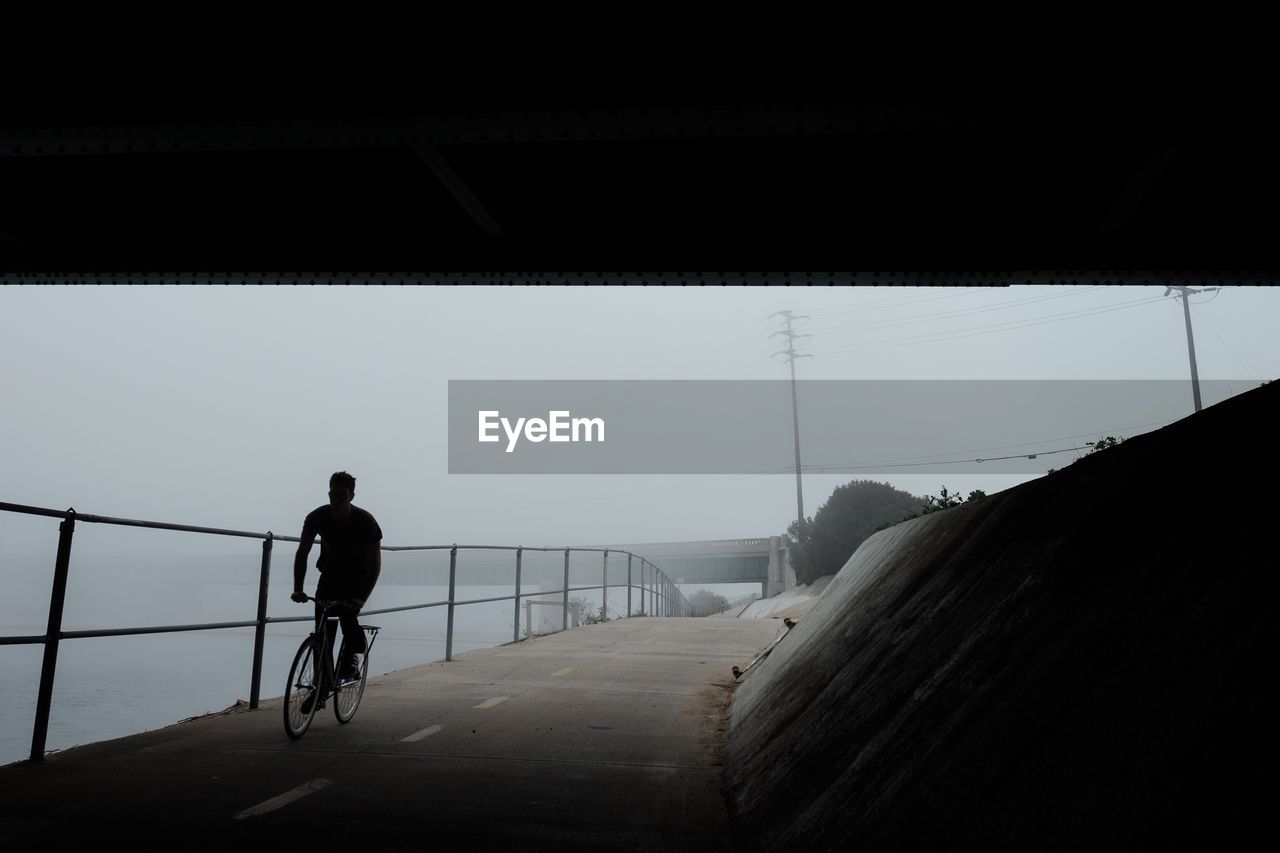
column 604, row 589
column 53, row 633
column 628, row 585
column 453, row 574
column 515, row 634
column 648, row 593
column 644, row 589
column 260, row 632
column 565, row 615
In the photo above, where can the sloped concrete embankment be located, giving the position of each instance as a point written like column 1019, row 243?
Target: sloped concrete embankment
column 1079, row 662
column 794, row 602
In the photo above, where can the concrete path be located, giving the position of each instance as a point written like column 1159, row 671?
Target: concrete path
column 608, row 736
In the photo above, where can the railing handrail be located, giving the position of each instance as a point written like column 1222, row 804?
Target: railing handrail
column 250, row 534
column 131, row 522
column 654, row 585
column 701, row 544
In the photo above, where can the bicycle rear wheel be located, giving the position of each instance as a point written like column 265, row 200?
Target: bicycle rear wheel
column 303, row 685
column 350, row 692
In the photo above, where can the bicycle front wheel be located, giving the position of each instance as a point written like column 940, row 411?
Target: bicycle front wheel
column 302, row 692
column 349, row 693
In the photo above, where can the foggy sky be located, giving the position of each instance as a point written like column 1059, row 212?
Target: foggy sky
column 229, row 407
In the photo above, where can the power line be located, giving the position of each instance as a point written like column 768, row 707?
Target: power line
column 734, row 342
column 897, row 465
column 1253, row 355
column 932, row 459
column 729, row 343
column 1228, row 322
column 992, row 328
column 881, row 304
column 1218, row 331
column 962, row 312
column 956, row 334
column 1246, row 347
column 934, row 456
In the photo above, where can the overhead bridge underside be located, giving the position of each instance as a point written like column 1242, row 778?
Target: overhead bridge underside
column 760, row 560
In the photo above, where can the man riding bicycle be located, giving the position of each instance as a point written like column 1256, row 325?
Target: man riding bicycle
column 349, row 564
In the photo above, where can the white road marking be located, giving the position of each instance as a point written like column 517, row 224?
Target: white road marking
column 489, row 703
column 417, row 736
column 284, row 799
column 565, row 671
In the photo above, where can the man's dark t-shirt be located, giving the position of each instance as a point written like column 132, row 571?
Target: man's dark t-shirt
column 344, row 560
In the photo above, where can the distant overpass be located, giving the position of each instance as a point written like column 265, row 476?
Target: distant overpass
column 761, row 560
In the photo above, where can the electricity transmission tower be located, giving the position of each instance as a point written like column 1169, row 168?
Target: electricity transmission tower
column 1191, row 344
column 792, row 355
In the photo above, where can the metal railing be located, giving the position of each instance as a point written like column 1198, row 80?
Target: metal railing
column 659, row 596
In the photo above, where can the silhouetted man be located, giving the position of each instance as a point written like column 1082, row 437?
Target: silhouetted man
column 350, row 562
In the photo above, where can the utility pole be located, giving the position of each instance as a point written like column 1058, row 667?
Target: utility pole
column 792, row 355
column 1191, row 344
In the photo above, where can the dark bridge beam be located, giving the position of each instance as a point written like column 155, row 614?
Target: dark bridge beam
column 1158, row 278
column 457, row 188
column 684, row 122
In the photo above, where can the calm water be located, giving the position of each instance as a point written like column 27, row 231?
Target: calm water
column 115, row 686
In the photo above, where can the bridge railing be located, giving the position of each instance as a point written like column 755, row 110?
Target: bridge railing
column 759, row 544
column 658, row 596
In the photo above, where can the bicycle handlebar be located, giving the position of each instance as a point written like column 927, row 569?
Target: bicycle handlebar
column 328, row 604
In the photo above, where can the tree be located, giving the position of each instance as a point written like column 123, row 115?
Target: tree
column 1103, row 443
column 704, row 601
column 1095, row 446
column 943, row 500
column 854, row 511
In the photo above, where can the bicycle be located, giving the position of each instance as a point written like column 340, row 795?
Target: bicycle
column 311, row 677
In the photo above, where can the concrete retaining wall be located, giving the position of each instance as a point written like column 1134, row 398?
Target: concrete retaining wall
column 1071, row 664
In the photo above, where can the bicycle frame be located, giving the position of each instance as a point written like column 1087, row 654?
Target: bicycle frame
column 324, row 655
